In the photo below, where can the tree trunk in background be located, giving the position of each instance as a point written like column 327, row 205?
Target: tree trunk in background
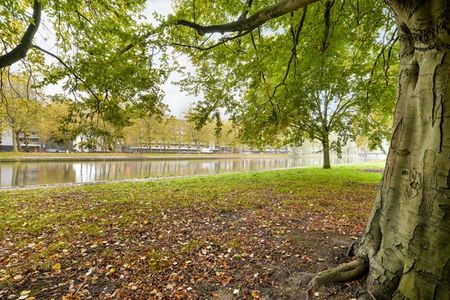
column 16, row 141
column 326, row 153
column 407, row 240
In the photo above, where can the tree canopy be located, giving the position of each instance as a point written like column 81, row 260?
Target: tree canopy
column 295, row 79
column 103, row 57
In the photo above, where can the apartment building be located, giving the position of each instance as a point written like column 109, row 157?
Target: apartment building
column 28, row 142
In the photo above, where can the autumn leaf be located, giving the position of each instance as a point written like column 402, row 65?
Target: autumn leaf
column 56, row 267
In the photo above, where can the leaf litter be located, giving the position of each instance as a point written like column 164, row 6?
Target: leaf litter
column 198, row 241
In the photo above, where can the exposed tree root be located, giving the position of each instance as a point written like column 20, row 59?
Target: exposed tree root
column 351, row 249
column 343, row 273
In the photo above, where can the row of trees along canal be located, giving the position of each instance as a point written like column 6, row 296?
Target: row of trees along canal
column 28, row 113
column 285, row 71
column 26, row 110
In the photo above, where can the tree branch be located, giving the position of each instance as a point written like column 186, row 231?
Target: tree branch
column 392, row 40
column 293, row 56
column 255, row 20
column 327, row 17
column 20, row 51
column 222, row 41
column 70, row 69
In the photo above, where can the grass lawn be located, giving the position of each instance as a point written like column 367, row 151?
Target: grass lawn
column 234, row 236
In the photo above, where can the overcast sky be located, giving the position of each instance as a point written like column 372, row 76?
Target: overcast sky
column 177, row 100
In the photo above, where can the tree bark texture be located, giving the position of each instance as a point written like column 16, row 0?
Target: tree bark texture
column 407, row 240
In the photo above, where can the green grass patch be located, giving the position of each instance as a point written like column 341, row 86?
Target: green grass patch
column 101, row 205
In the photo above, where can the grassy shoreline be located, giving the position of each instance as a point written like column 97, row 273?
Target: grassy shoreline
column 377, row 166
column 215, row 236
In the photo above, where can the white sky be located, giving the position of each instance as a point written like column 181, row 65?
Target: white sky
column 177, row 100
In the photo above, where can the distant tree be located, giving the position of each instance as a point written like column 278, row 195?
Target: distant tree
column 52, row 116
column 193, row 135
column 229, row 137
column 199, row 134
column 145, row 131
column 20, row 106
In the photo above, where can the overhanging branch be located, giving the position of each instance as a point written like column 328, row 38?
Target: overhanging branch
column 20, row 51
column 70, row 69
column 255, row 20
column 222, row 41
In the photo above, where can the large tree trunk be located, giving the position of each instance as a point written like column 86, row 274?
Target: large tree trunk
column 406, row 246
column 407, row 241
column 326, row 153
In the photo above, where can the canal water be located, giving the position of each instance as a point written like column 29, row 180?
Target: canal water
column 22, row 174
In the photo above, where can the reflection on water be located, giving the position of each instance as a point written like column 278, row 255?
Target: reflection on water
column 35, row 173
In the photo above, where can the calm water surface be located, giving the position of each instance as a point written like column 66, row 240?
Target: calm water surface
column 17, row 174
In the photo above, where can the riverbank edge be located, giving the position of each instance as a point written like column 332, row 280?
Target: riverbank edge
column 135, row 180
column 376, row 166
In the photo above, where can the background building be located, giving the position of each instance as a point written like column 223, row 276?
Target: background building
column 29, row 142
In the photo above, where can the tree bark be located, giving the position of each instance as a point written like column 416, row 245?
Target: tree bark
column 407, row 240
column 326, row 153
column 16, row 141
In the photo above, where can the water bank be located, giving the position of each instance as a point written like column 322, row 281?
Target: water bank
column 41, row 172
